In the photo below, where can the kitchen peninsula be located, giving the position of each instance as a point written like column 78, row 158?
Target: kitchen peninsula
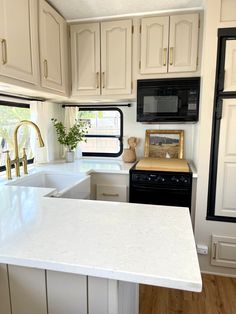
column 75, row 256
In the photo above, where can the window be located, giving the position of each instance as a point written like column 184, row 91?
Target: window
column 105, row 131
column 10, row 115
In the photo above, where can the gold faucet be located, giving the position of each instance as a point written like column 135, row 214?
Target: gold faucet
column 16, row 160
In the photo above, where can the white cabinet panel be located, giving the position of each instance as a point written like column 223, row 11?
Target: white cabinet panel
column 183, row 43
column 128, row 298
column 5, row 307
column 228, row 10
column 97, row 295
column 85, row 59
column 230, row 66
column 53, row 34
column 116, row 57
column 67, row 293
column 154, row 44
column 28, row 290
column 102, row 296
column 19, row 40
column 223, row 251
column 226, row 174
column 115, row 193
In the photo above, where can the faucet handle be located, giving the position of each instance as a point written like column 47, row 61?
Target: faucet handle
column 24, row 161
column 8, row 164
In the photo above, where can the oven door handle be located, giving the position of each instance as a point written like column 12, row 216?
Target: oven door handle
column 148, row 188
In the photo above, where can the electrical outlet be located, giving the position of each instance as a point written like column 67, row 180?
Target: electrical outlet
column 202, row 249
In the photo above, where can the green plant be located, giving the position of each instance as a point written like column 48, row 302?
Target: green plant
column 70, row 138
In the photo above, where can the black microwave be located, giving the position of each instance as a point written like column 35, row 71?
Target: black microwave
column 168, row 100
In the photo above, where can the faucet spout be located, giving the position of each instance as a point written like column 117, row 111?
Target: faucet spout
column 16, row 147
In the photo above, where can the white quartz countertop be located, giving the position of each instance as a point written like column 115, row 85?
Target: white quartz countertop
column 90, row 165
column 85, row 165
column 97, row 165
column 131, row 242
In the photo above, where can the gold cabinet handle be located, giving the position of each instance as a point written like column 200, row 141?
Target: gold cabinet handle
column 97, row 78
column 45, row 67
column 4, row 51
column 103, row 79
column 164, row 56
column 110, row 194
column 171, row 55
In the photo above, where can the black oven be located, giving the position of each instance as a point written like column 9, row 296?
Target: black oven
column 160, row 187
column 168, row 100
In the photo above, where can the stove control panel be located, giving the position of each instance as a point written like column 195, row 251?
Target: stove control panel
column 169, row 179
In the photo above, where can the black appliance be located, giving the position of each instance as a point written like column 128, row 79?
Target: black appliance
column 160, row 187
column 168, row 100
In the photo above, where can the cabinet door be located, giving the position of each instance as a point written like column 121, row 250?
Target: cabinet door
column 154, row 44
column 28, row 290
column 230, row 66
column 5, row 307
column 226, row 174
column 18, row 40
column 183, row 43
column 116, row 193
column 67, row 293
column 102, row 296
column 116, row 57
column 53, row 31
column 85, row 59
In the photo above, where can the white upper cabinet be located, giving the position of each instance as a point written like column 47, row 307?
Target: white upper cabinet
column 116, row 57
column 101, row 58
column 85, row 59
column 183, row 43
column 18, row 40
column 53, row 37
column 230, row 66
column 169, row 44
column 154, row 48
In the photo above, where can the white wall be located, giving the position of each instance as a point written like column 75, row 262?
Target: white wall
column 134, row 128
column 205, row 228
column 41, row 114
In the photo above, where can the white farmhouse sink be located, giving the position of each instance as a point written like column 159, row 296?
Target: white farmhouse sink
column 62, row 182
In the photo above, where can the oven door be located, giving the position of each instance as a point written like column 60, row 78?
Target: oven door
column 180, row 197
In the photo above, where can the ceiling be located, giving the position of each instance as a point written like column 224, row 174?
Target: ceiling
column 85, row 9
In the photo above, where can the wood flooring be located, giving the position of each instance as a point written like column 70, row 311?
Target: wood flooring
column 217, row 297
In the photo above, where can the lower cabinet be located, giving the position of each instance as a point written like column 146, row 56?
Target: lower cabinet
column 5, row 307
column 25, row 290
column 110, row 187
column 67, row 293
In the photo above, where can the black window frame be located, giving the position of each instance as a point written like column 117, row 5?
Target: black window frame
column 119, row 137
column 18, row 105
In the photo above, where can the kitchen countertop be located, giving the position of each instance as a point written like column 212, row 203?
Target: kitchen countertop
column 85, row 165
column 131, row 242
column 97, row 165
column 90, row 165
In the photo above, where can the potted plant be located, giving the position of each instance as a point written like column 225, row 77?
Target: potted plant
column 71, row 137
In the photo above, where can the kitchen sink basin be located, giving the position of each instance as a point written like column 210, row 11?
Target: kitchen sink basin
column 64, row 183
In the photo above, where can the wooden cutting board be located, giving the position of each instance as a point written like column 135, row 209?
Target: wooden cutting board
column 163, row 164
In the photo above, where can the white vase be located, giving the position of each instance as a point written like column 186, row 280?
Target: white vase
column 70, row 156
